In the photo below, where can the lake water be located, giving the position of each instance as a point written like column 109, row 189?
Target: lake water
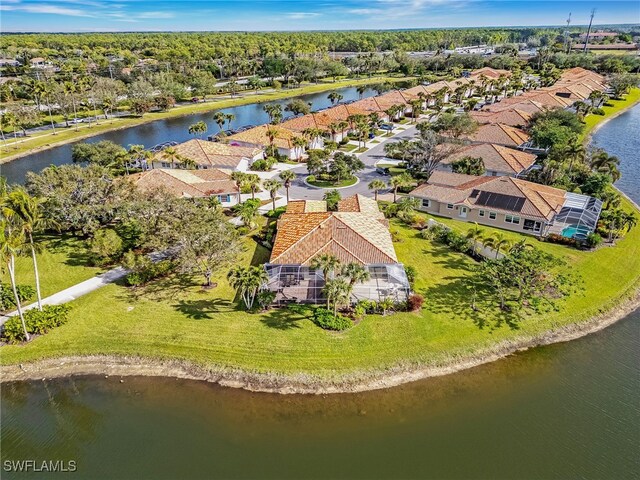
column 563, row 411
column 171, row 129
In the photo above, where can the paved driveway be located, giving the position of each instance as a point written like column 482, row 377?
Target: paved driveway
column 300, row 191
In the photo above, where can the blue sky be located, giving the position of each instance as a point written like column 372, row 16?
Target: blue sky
column 128, row 15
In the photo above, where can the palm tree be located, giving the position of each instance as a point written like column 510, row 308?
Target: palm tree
column 253, row 182
column 497, row 243
column 272, row 134
column 229, row 117
column 198, row 128
column 220, row 118
column 247, row 281
column 274, row 111
column 247, row 211
column 239, row 179
column 272, row 186
column 287, row 177
column 326, row 263
column 386, row 304
column 188, row 163
column 29, row 212
column 356, row 273
column 629, row 220
column 400, row 181
column 337, row 293
column 171, row 154
column 11, row 244
column 575, row 152
column 475, row 234
column 299, row 143
column 335, row 97
column 361, row 89
column 376, row 185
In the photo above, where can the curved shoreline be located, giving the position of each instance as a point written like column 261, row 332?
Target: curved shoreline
column 305, row 383
column 599, row 125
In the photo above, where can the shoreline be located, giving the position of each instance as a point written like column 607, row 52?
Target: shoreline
column 206, row 107
column 114, row 365
column 599, row 125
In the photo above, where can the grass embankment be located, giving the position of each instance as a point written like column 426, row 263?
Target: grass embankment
column 174, row 319
column 43, row 140
column 592, row 121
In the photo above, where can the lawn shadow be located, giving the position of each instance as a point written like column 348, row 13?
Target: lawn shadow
column 286, row 318
column 167, row 288
column 203, row 309
column 78, row 254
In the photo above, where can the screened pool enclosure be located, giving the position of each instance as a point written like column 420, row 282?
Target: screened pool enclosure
column 300, row 284
column 578, row 216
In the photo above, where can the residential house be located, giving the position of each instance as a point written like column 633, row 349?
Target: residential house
column 259, row 137
column 205, row 154
column 524, row 105
column 490, row 73
column 189, row 183
column 500, row 134
column 509, row 203
column 498, row 160
column 513, row 117
column 357, row 232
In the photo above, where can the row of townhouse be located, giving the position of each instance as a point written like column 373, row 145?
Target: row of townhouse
column 499, row 198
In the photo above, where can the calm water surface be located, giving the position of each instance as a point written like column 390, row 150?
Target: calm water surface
column 564, row 411
column 160, row 131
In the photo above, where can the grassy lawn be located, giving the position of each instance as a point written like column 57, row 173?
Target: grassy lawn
column 348, row 147
column 42, row 140
column 331, row 184
column 592, row 120
column 176, row 318
column 62, row 262
column 362, row 149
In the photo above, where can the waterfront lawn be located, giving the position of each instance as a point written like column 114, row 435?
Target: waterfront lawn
column 617, row 105
column 62, row 262
column 177, row 319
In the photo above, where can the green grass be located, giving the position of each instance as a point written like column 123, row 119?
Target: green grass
column 361, row 150
column 62, row 262
column 591, row 121
column 43, row 140
column 176, row 319
column 331, row 184
column 348, row 147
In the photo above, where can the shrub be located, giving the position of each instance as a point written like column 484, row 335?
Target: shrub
column 36, row 321
column 260, row 166
column 369, row 306
column 277, row 212
column 598, row 111
column 7, row 300
column 265, row 298
column 593, row 240
column 415, row 302
column 325, row 319
column 143, row 270
column 555, row 238
column 412, row 273
column 311, row 178
column 106, row 246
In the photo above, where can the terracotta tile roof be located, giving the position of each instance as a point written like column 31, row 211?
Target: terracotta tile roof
column 414, row 91
column 358, row 236
column 509, row 116
column 258, row 136
column 524, row 105
column 360, row 203
column 300, row 124
column 306, row 206
column 368, row 105
column 540, row 201
column 500, row 134
column 389, row 99
column 211, row 154
column 185, row 183
column 581, row 73
column 496, row 158
column 489, row 73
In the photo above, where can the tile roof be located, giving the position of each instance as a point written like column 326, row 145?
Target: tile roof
column 540, row 201
column 508, row 116
column 496, row 158
column 391, row 98
column 355, row 233
column 185, row 183
column 211, row 154
column 300, row 124
column 489, row 73
column 368, row 105
column 258, row 136
column 306, row 206
column 500, row 134
column 524, row 105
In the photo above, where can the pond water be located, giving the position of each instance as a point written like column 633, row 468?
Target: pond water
column 570, row 410
column 170, row 129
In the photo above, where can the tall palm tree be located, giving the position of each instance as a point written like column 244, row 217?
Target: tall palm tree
column 299, row 143
column 274, row 111
column 287, row 177
column 326, row 263
column 337, row 293
column 28, row 210
column 171, row 154
column 198, row 128
column 247, row 281
column 253, row 182
column 376, row 185
column 239, row 179
column 11, row 244
column 475, row 234
column 272, row 186
column 356, row 273
column 400, row 181
column 335, row 97
column 272, row 134
column 575, row 152
column 497, row 243
column 220, row 119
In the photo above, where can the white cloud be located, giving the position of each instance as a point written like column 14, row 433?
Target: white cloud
column 155, row 15
column 302, row 15
column 45, row 8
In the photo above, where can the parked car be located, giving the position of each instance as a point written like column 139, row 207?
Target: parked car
column 383, row 171
column 386, row 126
column 76, row 120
